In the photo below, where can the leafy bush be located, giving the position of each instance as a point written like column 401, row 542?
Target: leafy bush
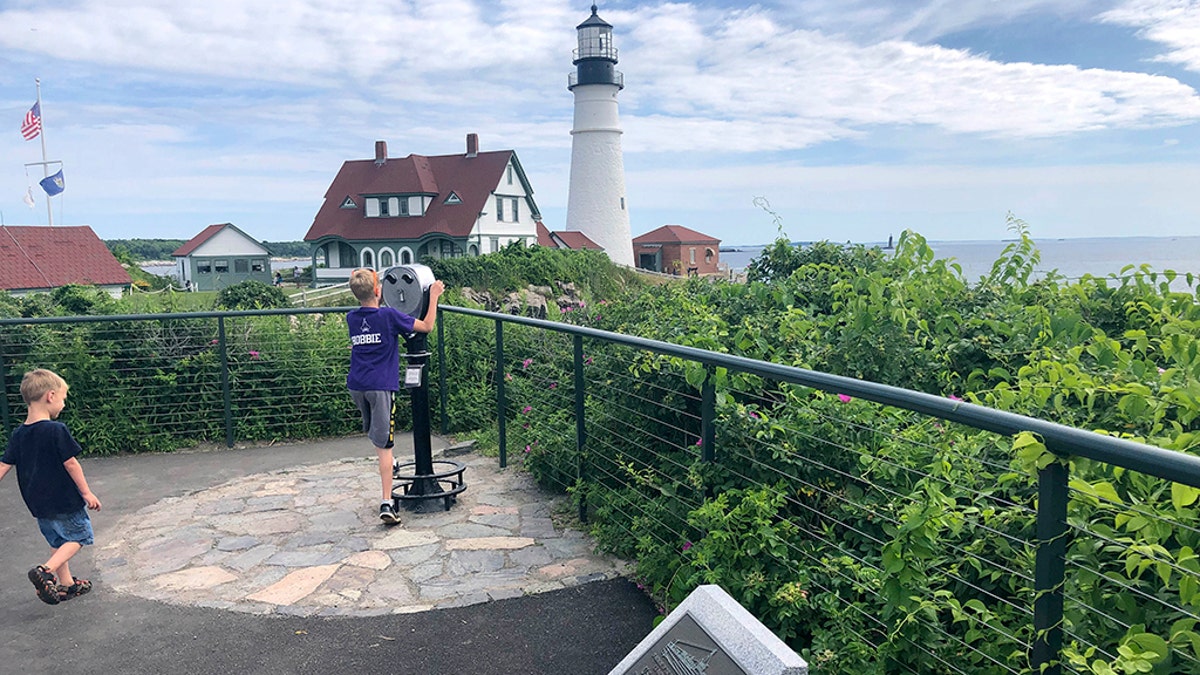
column 251, row 294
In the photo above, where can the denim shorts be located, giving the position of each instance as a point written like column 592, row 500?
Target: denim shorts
column 65, row 527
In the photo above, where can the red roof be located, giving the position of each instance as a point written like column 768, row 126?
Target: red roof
column 49, row 257
column 576, row 241
column 472, row 179
column 674, row 234
column 544, row 238
column 195, row 242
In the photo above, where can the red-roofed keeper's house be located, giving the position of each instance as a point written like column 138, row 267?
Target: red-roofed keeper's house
column 36, row 259
column 674, row 249
column 394, row 211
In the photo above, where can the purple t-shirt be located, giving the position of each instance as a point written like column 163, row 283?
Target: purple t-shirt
column 375, row 347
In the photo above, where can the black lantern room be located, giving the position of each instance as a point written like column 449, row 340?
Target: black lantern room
column 596, row 56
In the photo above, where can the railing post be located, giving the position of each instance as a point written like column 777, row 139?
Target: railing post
column 1049, row 570
column 708, row 434
column 228, row 402
column 442, row 372
column 708, row 413
column 580, row 429
column 4, row 412
column 501, row 403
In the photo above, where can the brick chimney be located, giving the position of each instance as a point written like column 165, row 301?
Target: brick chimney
column 380, row 152
column 472, row 145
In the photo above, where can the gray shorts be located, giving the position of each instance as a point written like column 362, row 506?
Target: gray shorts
column 378, row 410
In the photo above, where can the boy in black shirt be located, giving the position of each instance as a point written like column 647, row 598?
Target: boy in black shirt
column 52, row 484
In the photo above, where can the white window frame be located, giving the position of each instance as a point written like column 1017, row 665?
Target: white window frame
column 515, row 210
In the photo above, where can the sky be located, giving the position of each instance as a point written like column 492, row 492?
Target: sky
column 846, row 120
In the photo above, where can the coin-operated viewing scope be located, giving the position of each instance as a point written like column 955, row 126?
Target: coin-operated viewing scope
column 406, row 288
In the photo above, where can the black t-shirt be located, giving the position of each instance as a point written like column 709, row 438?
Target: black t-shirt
column 38, row 451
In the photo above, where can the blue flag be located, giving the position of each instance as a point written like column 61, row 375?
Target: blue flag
column 53, row 184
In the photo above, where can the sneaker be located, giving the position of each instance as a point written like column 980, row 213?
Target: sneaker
column 388, row 515
column 80, row 587
column 45, row 583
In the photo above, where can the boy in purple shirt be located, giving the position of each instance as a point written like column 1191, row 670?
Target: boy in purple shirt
column 374, row 376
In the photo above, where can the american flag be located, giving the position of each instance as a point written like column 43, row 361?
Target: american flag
column 32, row 126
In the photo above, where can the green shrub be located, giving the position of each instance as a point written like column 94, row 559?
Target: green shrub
column 251, row 294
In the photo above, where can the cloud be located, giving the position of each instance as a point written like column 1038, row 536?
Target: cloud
column 1172, row 23
column 922, row 20
column 321, row 41
column 741, row 68
column 232, row 99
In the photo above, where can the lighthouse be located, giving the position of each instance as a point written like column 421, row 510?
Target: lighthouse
column 596, row 197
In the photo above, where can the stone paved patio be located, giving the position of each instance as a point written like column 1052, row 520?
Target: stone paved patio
column 307, row 541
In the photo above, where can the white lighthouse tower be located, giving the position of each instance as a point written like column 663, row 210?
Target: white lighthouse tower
column 596, row 197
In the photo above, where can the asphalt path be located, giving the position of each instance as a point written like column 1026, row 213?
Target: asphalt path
column 579, row 630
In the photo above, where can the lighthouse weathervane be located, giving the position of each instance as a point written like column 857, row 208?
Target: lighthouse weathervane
column 596, row 198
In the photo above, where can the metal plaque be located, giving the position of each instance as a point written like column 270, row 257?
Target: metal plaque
column 685, row 649
column 412, row 376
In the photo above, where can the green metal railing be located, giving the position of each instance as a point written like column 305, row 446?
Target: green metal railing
column 165, row 381
column 170, row 380
column 1053, row 492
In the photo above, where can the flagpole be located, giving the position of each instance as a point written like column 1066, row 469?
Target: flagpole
column 45, row 164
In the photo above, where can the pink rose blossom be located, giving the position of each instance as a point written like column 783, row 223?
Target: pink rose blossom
column 844, row 398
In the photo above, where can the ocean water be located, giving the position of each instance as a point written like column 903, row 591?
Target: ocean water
column 1072, row 258
column 283, row 265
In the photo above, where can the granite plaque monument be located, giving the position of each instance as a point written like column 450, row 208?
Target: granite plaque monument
column 709, row 633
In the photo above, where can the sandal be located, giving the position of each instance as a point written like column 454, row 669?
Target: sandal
column 80, row 587
column 45, row 583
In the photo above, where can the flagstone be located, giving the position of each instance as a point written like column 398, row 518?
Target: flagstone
column 405, row 539
column 193, row 578
column 485, row 543
column 294, row 586
column 376, row 560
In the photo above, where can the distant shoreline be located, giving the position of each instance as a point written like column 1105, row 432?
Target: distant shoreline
column 171, row 263
column 741, row 248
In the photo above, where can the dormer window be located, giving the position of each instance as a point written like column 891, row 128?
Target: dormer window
column 348, row 203
column 452, row 198
column 397, row 206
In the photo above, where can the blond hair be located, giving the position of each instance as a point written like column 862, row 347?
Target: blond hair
column 37, row 383
column 363, row 282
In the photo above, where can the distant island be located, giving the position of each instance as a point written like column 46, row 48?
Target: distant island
column 140, row 250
